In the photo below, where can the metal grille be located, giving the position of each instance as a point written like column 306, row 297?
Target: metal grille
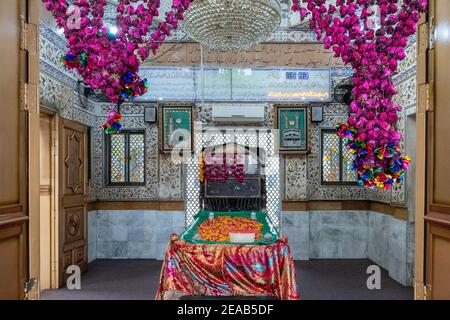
column 264, row 139
column 137, row 158
column 192, row 183
column 272, row 171
column 118, row 158
column 248, row 139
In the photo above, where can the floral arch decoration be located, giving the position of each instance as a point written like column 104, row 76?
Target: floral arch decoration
column 108, row 58
column 371, row 36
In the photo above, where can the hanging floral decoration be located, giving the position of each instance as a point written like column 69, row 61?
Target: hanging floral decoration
column 112, row 124
column 219, row 170
column 237, row 167
column 216, row 169
column 373, row 50
column 108, row 59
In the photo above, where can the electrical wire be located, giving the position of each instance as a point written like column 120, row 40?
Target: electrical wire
column 163, row 53
column 194, row 80
column 203, row 75
column 84, row 104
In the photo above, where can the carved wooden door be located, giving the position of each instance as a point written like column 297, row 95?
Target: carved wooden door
column 433, row 136
column 73, row 197
column 19, row 75
column 438, row 153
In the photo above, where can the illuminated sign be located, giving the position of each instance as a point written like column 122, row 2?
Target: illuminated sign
column 237, row 84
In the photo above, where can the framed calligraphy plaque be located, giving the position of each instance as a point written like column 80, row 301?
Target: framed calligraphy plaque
column 176, row 126
column 292, row 123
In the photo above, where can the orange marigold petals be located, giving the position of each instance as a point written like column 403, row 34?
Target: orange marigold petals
column 218, row 229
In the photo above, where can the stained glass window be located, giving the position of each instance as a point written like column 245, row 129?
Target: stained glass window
column 136, row 158
column 330, row 158
column 337, row 161
column 126, row 158
column 117, row 161
column 348, row 175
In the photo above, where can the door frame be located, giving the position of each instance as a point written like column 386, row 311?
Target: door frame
column 54, row 235
column 432, row 219
column 423, row 37
column 33, row 165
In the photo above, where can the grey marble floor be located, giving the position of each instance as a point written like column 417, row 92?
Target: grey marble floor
column 317, row 280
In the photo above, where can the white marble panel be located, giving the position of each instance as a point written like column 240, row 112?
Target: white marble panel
column 295, row 226
column 134, row 234
column 92, row 236
column 389, row 246
column 338, row 234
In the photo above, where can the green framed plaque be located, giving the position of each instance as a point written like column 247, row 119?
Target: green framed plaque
column 176, row 126
column 292, row 124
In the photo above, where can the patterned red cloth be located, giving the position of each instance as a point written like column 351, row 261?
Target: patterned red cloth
column 227, row 270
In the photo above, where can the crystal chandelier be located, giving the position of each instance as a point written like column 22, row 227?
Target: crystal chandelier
column 231, row 24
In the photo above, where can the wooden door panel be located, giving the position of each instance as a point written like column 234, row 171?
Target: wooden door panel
column 16, row 71
column 67, row 260
column 11, row 131
column 74, row 153
column 439, row 129
column 73, row 190
column 438, row 261
column 74, row 224
column 441, row 269
column 79, row 258
column 434, row 98
column 10, row 264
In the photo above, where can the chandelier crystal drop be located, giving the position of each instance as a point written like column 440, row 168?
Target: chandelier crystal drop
column 230, row 25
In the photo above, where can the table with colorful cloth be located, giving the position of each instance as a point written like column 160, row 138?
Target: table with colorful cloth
column 224, row 269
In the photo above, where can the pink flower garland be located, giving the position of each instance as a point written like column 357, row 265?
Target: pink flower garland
column 346, row 27
column 107, row 61
column 220, row 170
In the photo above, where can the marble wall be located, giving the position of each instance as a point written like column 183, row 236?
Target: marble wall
column 124, row 234
column 92, row 235
column 121, row 234
column 389, row 246
column 385, row 240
